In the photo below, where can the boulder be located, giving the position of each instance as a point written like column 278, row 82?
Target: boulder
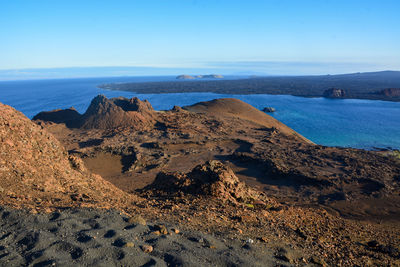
column 269, row 109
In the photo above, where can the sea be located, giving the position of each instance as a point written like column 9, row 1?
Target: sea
column 366, row 124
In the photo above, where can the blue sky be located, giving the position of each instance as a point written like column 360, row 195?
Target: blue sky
column 270, row 36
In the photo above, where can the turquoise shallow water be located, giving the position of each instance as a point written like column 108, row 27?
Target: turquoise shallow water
column 350, row 123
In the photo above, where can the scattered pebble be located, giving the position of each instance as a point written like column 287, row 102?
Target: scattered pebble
column 137, row 219
column 163, row 230
column 129, row 245
column 156, row 232
column 147, row 248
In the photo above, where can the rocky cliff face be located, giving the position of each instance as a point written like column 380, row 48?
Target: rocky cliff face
column 36, row 171
column 334, row 93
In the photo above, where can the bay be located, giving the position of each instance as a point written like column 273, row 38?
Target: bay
column 354, row 123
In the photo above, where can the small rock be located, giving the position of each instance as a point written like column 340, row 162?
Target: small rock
column 156, row 232
column 137, row 219
column 163, row 230
column 259, row 203
column 249, row 241
column 264, row 239
column 147, row 248
column 317, row 261
column 176, row 231
column 301, row 233
column 288, row 254
column 247, row 218
column 373, row 243
column 129, row 245
column 269, row 109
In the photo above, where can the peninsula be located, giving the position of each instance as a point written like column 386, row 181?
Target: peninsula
column 371, row 85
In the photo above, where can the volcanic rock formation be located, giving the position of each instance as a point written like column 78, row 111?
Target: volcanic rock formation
column 237, row 109
column 210, row 179
column 334, row 93
column 269, row 109
column 69, row 116
column 105, row 113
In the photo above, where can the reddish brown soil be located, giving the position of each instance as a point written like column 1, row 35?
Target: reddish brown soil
column 300, row 193
column 37, row 173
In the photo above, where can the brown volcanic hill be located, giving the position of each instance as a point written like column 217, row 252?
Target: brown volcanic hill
column 69, row 116
column 37, row 173
column 231, row 107
column 104, row 113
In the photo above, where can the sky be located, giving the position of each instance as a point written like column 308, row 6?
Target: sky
column 234, row 36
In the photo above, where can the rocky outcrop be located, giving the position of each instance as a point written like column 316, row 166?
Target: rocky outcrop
column 69, row 116
column 335, row 93
column 104, row 113
column 390, row 92
column 212, row 178
column 111, row 113
column 36, row 172
column 269, row 109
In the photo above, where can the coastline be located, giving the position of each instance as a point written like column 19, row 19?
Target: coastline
column 356, row 86
column 139, row 91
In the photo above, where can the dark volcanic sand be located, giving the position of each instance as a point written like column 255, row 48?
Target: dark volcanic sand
column 82, row 237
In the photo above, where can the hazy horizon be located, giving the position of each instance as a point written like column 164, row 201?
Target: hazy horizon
column 121, row 71
column 156, row 37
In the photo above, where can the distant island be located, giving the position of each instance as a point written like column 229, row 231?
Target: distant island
column 384, row 85
column 209, row 76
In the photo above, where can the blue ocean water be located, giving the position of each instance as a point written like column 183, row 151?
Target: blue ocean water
column 333, row 122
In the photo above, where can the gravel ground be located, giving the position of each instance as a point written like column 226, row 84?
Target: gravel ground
column 90, row 237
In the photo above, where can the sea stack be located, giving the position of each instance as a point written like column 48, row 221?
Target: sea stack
column 334, row 93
